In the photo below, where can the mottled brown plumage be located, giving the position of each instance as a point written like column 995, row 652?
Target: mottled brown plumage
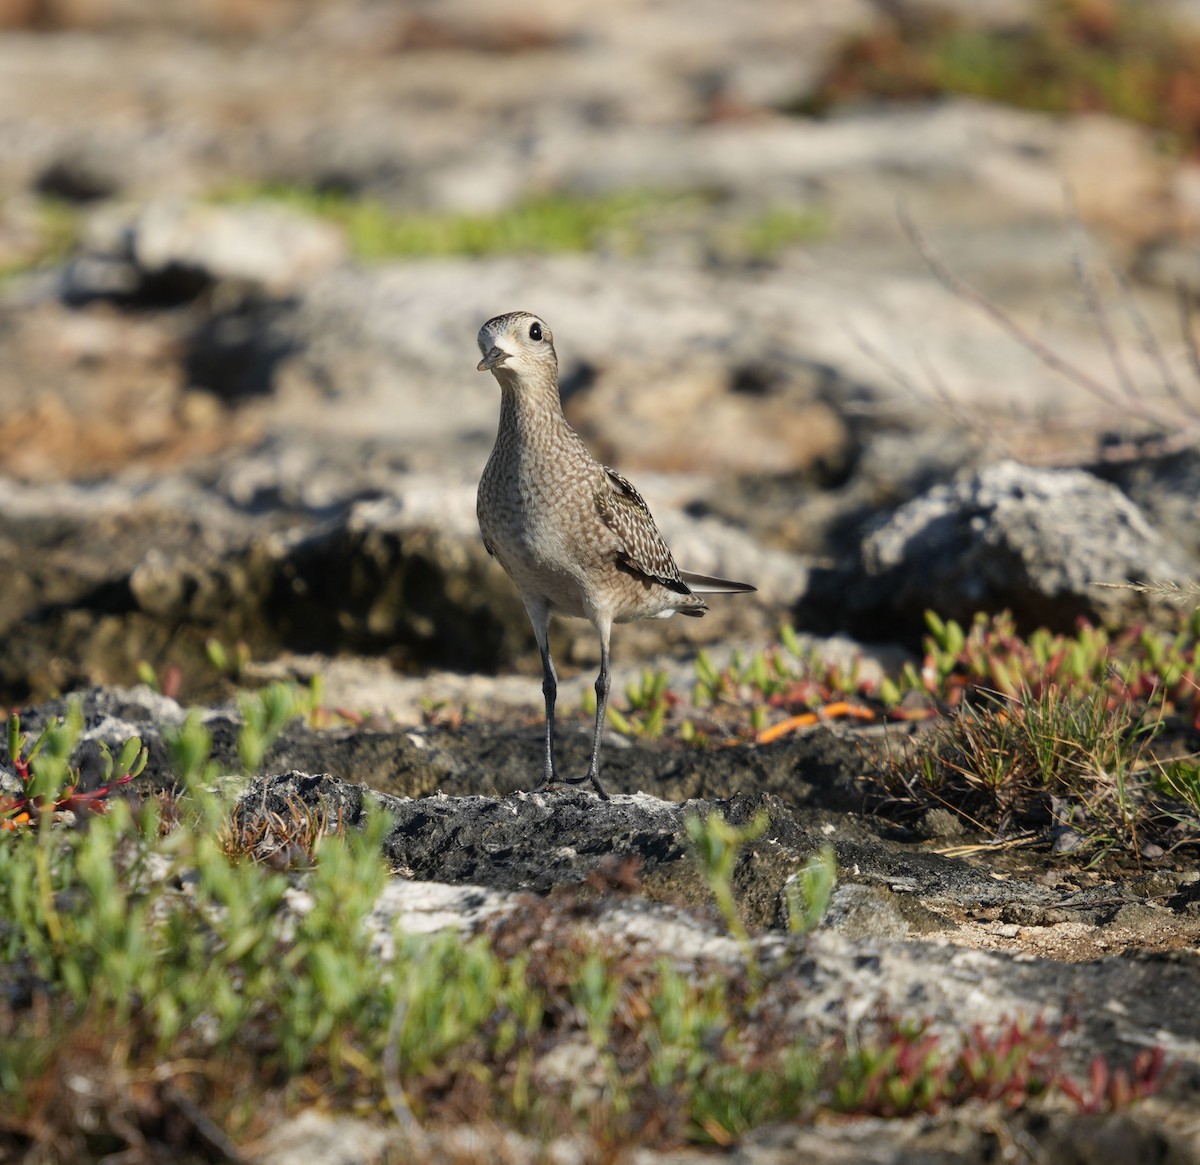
column 576, row 537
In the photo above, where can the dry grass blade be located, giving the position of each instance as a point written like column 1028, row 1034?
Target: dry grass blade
column 963, row 851
column 1175, row 592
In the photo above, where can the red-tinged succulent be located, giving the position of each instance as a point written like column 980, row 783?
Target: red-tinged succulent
column 50, row 783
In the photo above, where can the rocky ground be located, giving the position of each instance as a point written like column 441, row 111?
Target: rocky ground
column 953, row 934
column 222, row 419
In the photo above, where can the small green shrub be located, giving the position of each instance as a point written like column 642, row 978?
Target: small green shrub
column 265, row 714
column 717, row 845
column 648, row 701
column 810, row 891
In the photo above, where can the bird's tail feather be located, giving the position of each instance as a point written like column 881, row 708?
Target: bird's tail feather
column 706, row 584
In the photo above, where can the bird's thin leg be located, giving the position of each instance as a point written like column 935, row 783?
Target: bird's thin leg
column 550, row 691
column 540, row 619
column 602, row 686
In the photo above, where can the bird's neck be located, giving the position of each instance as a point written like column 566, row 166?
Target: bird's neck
column 529, row 405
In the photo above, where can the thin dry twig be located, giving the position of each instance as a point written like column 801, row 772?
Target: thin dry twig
column 1184, row 299
column 1085, row 276
column 1148, row 341
column 1123, row 401
column 989, row 435
column 889, row 366
column 939, row 395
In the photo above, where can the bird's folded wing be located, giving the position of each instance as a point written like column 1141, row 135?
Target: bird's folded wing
column 643, row 550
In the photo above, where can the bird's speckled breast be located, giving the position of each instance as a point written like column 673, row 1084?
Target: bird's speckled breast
column 537, row 512
column 539, row 508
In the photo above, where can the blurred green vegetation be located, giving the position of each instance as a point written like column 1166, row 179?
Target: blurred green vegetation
column 1123, row 57
column 780, row 227
column 629, row 222
column 547, row 224
column 623, row 222
column 52, row 229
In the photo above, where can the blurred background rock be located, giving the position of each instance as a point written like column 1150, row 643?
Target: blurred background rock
column 245, row 246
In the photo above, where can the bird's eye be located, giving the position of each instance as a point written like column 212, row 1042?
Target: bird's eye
column 535, row 331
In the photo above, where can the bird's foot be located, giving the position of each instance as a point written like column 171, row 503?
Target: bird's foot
column 552, row 781
column 548, row 781
column 595, row 782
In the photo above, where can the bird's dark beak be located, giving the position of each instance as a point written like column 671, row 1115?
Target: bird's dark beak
column 493, row 359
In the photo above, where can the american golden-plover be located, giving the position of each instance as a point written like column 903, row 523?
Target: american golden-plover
column 574, row 535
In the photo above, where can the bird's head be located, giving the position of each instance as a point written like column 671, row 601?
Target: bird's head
column 518, row 344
